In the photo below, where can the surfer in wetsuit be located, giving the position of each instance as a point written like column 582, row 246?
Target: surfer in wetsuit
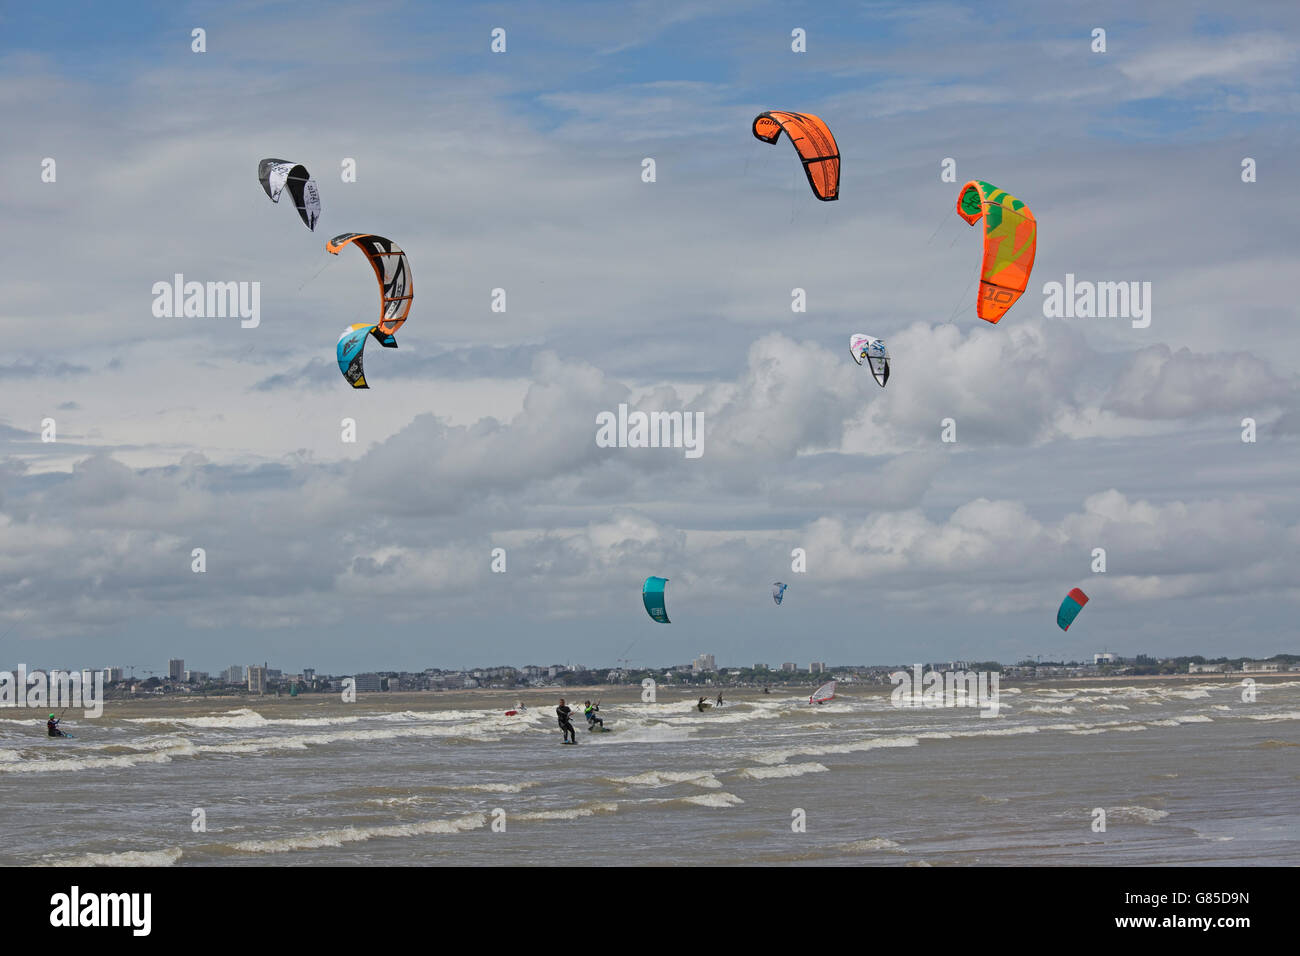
column 701, row 705
column 589, row 712
column 52, row 727
column 563, row 712
column 719, row 698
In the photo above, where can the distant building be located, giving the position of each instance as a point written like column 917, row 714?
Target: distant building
column 1104, row 658
column 234, row 674
column 816, row 667
column 1205, row 668
column 256, row 679
column 273, row 674
column 1260, row 667
column 369, row 683
column 113, row 673
column 309, row 674
column 789, row 666
column 176, row 669
column 703, row 664
column 760, row 667
column 196, row 677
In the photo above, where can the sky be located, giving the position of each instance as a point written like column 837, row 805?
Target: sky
column 522, row 170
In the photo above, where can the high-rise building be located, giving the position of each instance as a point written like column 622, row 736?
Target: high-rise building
column 704, row 663
column 176, row 669
column 234, row 674
column 256, row 679
column 369, row 683
column 816, row 667
column 113, row 673
column 789, row 666
column 309, row 674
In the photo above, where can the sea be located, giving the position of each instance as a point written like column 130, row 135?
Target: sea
column 1159, row 772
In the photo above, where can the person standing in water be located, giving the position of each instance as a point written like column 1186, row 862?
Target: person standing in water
column 719, row 698
column 563, row 712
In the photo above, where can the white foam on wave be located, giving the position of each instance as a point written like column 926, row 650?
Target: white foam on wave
column 572, row 813
column 647, row 734
column 1137, row 814
column 669, row 778
column 344, row 835
column 179, row 748
column 873, row 743
column 868, row 846
column 245, row 718
column 166, row 857
column 1284, row 715
column 1195, row 693
column 723, row 799
column 786, row 770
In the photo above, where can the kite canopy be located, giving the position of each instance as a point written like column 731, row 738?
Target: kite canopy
column 823, row 693
column 813, row 141
column 652, row 593
column 396, row 291
column 352, row 344
column 778, row 592
column 864, row 348
column 275, row 174
column 1070, row 608
column 1010, row 240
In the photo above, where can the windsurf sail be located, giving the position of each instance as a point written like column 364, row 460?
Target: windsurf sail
column 822, row 694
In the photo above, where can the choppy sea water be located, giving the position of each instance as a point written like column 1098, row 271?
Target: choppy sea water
column 1187, row 773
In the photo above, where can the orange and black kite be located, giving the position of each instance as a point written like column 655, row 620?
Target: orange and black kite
column 816, row 147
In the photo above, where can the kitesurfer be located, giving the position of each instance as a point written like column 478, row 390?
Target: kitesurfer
column 589, row 711
column 701, row 705
column 52, row 727
column 563, row 712
column 719, row 698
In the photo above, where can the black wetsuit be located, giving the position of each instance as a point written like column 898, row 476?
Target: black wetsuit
column 563, row 713
column 52, row 728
